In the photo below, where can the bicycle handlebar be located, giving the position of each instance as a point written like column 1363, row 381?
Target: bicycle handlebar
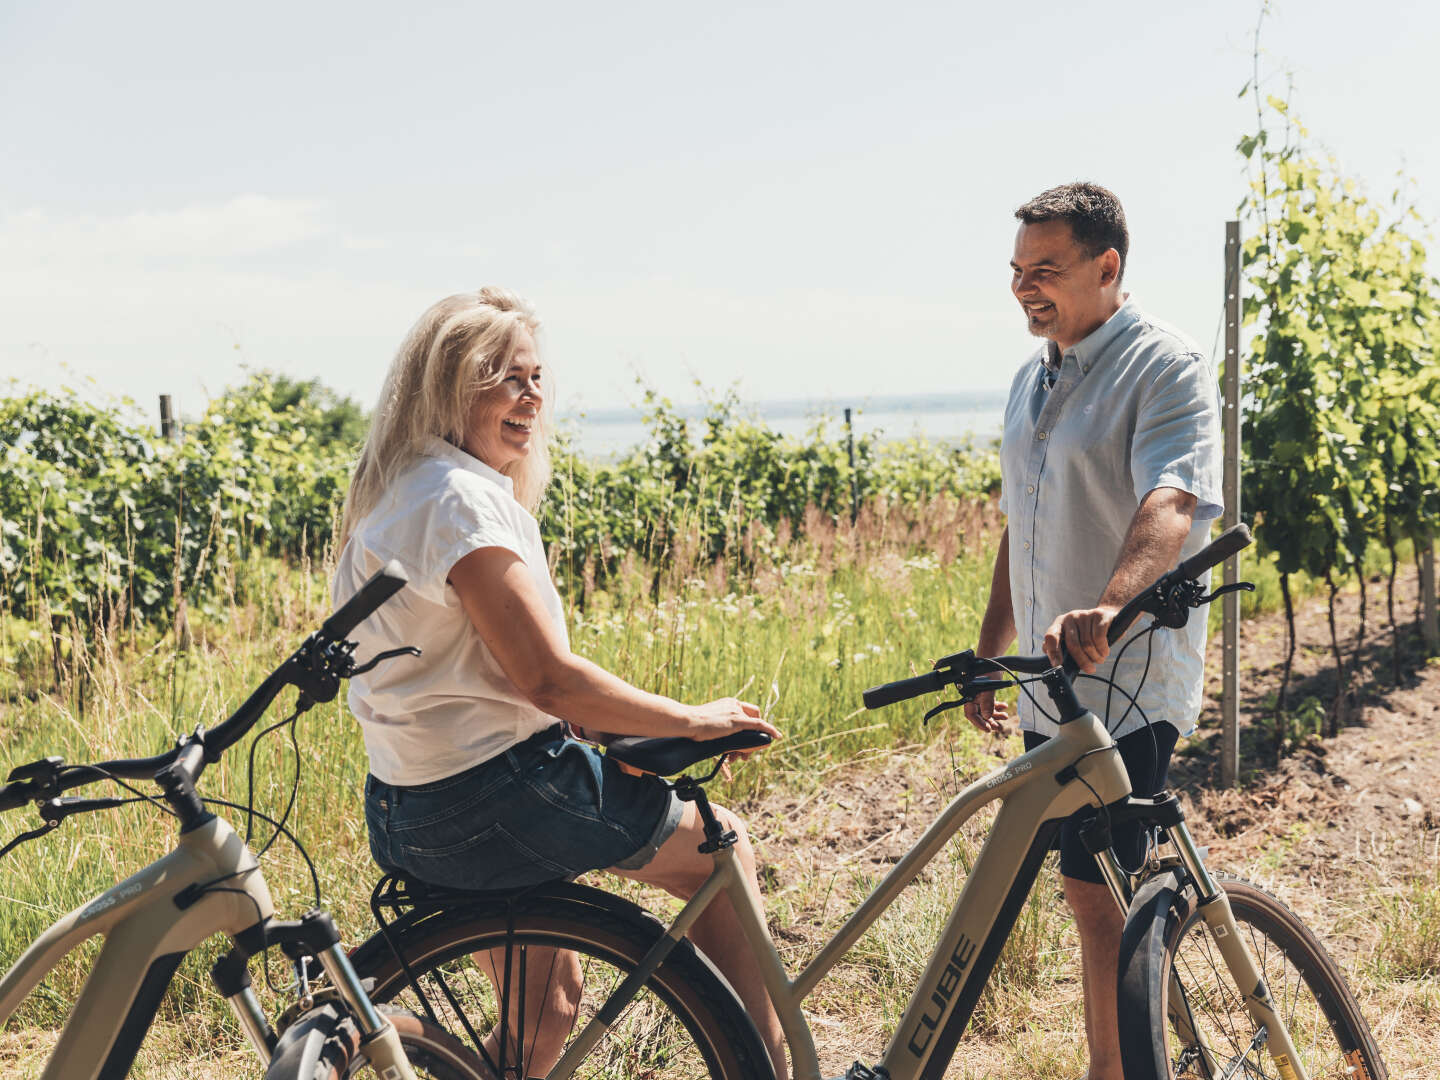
column 384, row 584
column 1229, row 542
column 963, row 668
column 14, row 794
column 878, row 697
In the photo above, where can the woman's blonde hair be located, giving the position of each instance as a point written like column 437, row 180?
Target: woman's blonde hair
column 459, row 348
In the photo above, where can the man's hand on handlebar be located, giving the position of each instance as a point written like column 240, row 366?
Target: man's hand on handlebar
column 1084, row 633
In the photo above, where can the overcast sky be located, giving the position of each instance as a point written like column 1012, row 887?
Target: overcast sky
column 812, row 199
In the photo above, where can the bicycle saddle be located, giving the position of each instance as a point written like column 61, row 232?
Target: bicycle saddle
column 671, row 755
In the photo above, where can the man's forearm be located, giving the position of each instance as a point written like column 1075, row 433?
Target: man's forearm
column 997, row 628
column 1152, row 544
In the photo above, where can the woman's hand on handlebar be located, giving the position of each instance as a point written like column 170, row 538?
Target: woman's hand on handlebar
column 1084, row 635
column 724, row 716
column 987, row 714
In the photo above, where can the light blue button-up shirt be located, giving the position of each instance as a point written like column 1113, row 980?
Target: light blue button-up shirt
column 1133, row 407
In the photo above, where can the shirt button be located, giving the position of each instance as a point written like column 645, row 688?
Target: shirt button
column 1040, row 435
column 1027, row 545
column 1030, row 490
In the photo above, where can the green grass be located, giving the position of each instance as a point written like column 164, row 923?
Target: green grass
column 1409, row 921
column 801, row 633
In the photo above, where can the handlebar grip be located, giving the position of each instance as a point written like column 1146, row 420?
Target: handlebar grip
column 1226, row 544
column 16, row 794
column 903, row 689
column 384, row 584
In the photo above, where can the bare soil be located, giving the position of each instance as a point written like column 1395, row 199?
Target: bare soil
column 1342, row 829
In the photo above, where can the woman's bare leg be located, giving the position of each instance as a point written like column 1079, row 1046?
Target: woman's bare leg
column 552, row 998
column 680, row 869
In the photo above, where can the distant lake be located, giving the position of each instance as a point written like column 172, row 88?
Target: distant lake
column 950, row 418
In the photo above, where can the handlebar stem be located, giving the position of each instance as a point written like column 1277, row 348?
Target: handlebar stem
column 177, row 782
column 1062, row 692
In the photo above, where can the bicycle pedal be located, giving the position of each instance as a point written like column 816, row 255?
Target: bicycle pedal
column 859, row 1071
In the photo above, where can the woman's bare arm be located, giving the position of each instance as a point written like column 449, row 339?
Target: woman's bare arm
column 506, row 609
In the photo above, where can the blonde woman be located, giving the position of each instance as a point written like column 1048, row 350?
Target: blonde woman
column 475, row 782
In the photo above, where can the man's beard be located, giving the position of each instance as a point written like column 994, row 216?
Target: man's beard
column 1042, row 326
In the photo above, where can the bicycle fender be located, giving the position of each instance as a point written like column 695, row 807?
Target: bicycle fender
column 298, row 1051
column 456, row 906
column 1151, row 906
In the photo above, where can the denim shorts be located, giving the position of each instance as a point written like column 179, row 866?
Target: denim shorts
column 547, row 809
column 1146, row 754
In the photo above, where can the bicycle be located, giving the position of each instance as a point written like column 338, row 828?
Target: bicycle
column 211, row 883
column 649, row 1005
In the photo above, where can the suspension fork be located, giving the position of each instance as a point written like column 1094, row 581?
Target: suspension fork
column 315, row 934
column 1214, row 907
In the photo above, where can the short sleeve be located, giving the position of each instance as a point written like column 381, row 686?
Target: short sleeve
column 1177, row 435
column 1014, row 406
column 466, row 515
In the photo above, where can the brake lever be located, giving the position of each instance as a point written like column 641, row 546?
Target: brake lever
column 969, row 691
column 944, row 706
column 49, row 826
column 388, row 654
column 56, row 810
column 1239, row 586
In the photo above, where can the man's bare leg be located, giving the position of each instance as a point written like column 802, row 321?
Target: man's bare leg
column 1100, row 924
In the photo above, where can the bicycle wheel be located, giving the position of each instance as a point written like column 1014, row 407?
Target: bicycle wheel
column 324, row 1045
column 1181, row 1015
column 519, row 985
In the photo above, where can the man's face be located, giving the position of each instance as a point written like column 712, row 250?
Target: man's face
column 1062, row 290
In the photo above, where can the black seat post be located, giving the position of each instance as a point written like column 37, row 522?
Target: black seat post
column 716, row 835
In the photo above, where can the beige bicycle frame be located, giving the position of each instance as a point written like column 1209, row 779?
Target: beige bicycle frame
column 142, row 925
column 1033, row 798
column 147, row 931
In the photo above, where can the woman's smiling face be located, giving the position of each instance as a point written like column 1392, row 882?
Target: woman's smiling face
column 502, row 417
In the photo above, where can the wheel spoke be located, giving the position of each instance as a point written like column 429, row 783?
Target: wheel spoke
column 1306, row 989
column 682, row 1024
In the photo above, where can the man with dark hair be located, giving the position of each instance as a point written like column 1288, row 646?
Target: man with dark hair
column 1110, row 466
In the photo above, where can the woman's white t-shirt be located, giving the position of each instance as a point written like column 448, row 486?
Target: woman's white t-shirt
column 428, row 717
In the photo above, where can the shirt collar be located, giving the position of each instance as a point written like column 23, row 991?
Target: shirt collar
column 1088, row 351
column 438, row 447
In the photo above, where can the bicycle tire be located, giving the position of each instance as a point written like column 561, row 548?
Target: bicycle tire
column 1164, row 933
column 323, row 1044
column 685, row 1021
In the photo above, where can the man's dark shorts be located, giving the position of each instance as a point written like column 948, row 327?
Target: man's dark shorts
column 1146, row 754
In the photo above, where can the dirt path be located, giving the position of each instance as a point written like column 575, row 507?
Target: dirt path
column 1346, row 831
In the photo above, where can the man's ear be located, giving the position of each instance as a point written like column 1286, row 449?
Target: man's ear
column 1109, row 267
